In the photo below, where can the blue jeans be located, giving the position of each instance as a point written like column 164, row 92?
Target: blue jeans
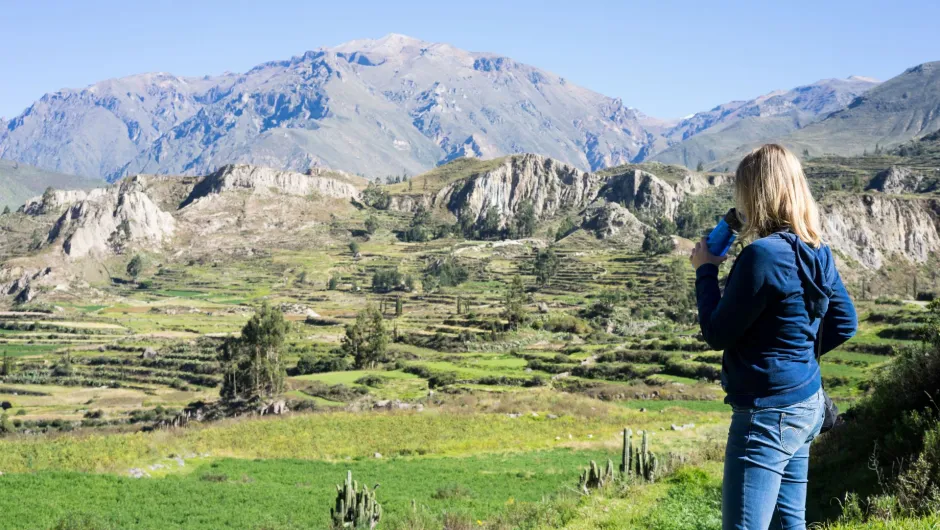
column 766, row 466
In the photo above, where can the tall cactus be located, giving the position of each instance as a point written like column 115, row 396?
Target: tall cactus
column 354, row 508
column 399, row 305
column 627, row 451
column 638, row 462
column 593, row 478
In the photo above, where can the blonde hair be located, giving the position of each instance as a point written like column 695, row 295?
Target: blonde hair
column 772, row 191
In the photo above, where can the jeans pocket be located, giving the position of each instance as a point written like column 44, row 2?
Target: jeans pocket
column 796, row 428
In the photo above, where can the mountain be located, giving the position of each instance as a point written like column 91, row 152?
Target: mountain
column 902, row 108
column 709, row 136
column 391, row 105
column 95, row 131
column 19, row 182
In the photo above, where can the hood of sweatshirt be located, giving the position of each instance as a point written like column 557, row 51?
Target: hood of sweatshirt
column 814, row 275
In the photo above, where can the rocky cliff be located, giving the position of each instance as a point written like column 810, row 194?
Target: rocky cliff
column 267, row 180
column 550, row 186
column 53, row 201
column 899, row 179
column 110, row 218
column 874, row 228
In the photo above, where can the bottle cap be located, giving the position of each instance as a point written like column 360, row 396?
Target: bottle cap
column 731, row 218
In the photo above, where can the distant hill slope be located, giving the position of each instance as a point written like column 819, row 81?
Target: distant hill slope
column 899, row 109
column 19, row 182
column 375, row 107
column 710, row 136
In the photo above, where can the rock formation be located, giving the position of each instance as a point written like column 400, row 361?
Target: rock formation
column 53, row 201
column 112, row 217
column 873, row 228
column 899, row 179
column 550, row 185
column 266, row 180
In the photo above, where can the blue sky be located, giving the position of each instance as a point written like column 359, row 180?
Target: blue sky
column 666, row 58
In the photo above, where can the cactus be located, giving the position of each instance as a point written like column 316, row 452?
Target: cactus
column 458, row 305
column 354, row 508
column 594, row 478
column 638, row 462
column 627, row 451
column 399, row 305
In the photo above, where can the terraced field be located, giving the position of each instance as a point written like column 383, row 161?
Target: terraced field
column 464, row 423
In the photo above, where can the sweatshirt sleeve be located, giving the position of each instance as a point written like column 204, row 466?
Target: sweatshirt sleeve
column 840, row 321
column 724, row 319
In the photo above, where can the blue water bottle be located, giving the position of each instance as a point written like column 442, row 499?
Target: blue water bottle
column 722, row 236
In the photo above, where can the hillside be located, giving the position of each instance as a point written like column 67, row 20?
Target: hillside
column 19, row 182
column 899, row 110
column 709, row 136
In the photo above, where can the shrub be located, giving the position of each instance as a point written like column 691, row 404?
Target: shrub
column 313, row 364
column 372, row 380
column 439, row 379
column 386, row 280
column 447, row 273
column 565, row 323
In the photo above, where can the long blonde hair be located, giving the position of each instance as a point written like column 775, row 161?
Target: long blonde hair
column 772, row 191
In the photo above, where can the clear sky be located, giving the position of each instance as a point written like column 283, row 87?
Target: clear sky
column 665, row 58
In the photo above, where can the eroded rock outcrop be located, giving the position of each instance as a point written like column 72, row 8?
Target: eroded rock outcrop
column 550, row 185
column 53, row 201
column 609, row 220
column 259, row 179
column 899, row 179
column 112, row 217
column 874, row 228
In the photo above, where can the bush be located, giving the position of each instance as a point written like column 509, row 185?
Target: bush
column 447, row 273
column 439, row 379
column 386, row 280
column 313, row 364
column 372, row 380
column 564, row 323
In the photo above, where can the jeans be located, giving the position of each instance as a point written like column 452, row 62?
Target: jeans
column 766, row 466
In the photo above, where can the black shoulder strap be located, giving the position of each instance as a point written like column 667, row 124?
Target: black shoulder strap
column 819, row 337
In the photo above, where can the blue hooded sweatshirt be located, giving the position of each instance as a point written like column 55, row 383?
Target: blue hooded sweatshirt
column 778, row 291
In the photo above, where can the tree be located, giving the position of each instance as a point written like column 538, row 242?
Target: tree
column 6, row 210
column 523, row 225
column 333, row 283
column 386, row 280
column 805, row 153
column 372, row 224
column 466, row 222
column 376, row 197
column 420, row 228
column 366, row 339
column 680, row 293
column 135, row 266
column 514, row 308
column 655, row 244
column 354, row 248
column 566, row 227
column 251, row 363
column 6, row 426
column 700, row 167
column 491, row 223
column 447, row 272
column 546, row 265
column 7, row 367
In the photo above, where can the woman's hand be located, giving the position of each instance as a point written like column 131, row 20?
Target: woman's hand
column 700, row 256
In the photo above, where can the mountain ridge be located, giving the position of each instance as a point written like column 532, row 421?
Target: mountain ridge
column 372, row 106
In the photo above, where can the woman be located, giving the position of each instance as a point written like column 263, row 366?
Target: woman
column 782, row 287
